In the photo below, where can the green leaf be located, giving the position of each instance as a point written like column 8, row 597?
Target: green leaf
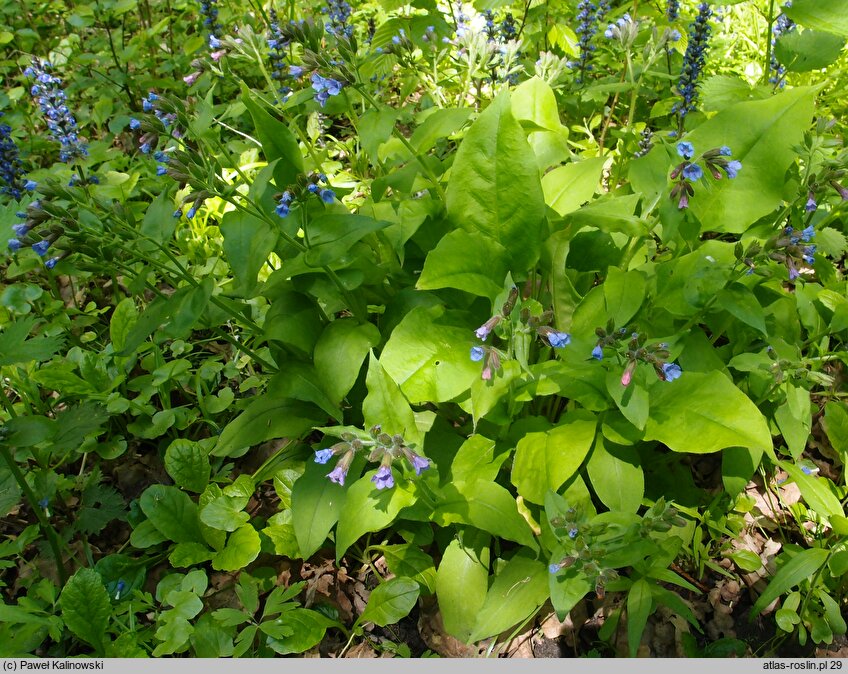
column 701, row 413
column 390, row 602
column 802, row 566
column 547, row 460
column 461, row 582
column 468, row 261
column 224, row 513
column 385, row 405
column 836, row 425
column 294, row 320
column 10, row 491
column 440, row 123
column 375, row 128
column 517, row 592
column 158, row 223
column 369, row 509
column 123, row 318
column 185, row 555
column 172, row 512
column 298, row 381
column 746, row 560
column 567, row 587
column 307, row 630
column 427, row 355
column 248, row 241
column 567, row 187
column 407, row 560
column 485, row 505
column 267, row 417
column 639, row 604
column 316, row 506
column 624, row 293
column 339, row 354
column 534, row 104
column 814, row 491
column 86, row 607
column 241, row 549
column 617, row 476
column 277, row 143
column 188, row 465
column 280, row 530
column 475, row 460
column 801, row 51
column 16, row 348
column 826, row 15
column 494, row 186
column 331, row 237
column 740, row 302
column 762, row 135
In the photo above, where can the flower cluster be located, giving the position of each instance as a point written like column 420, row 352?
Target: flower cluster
column 48, row 93
column 688, row 171
column 325, row 87
column 672, row 9
column 795, row 248
column 694, row 61
column 782, row 25
column 33, row 217
column 209, row 10
column 300, row 191
column 646, row 142
column 635, row 351
column 150, row 136
column 503, row 33
column 11, row 169
column 338, row 12
column 277, row 46
column 624, row 30
column 381, row 446
column 589, row 16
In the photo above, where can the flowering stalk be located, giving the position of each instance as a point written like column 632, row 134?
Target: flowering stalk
column 693, row 62
column 11, row 169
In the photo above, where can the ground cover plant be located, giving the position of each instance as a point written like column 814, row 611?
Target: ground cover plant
column 423, row 329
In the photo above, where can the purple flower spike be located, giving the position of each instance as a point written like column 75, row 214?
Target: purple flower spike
column 338, row 475
column 384, row 479
column 323, row 455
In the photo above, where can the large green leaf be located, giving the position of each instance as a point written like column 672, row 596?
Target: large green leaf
column 385, row 405
column 390, row 602
column 534, row 104
column 172, row 512
column 306, row 629
column 485, row 505
column 277, row 142
column 826, row 15
column 700, row 413
column 624, row 293
column 461, row 582
column 188, row 465
column 267, row 417
column 639, row 604
column 495, row 188
column 804, row 50
column 369, row 509
column 16, row 348
column 517, row 592
column 427, row 355
column 616, row 476
column 316, row 506
column 546, row 460
column 339, row 354
column 86, row 607
column 814, row 491
column 762, row 135
column 301, row 382
column 440, row 123
column 469, row 261
column 410, row 561
column 241, row 549
column 567, row 187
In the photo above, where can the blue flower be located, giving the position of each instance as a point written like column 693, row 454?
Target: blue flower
column 15, row 245
column 51, row 262
column 178, row 213
column 41, row 247
column 420, row 463
column 598, row 353
column 338, row 474
column 559, row 340
column 323, row 455
column 11, row 168
column 325, row 87
column 383, row 479
column 145, row 148
column 733, row 167
column 61, row 123
column 327, row 196
column 809, row 251
column 30, row 185
column 685, row 149
column 477, row 353
column 20, row 229
column 694, row 60
column 161, row 170
column 725, row 151
column 313, row 188
column 811, row 205
column 135, row 124
column 671, row 371
column 572, row 533
column 672, row 9
column 282, row 209
column 209, row 10
column 191, row 212
column 674, row 35
column 296, row 71
column 693, row 172
column 339, row 13
column 808, row 233
column 44, row 502
column 554, row 568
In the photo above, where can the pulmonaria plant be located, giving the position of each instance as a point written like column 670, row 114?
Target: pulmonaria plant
column 299, row 192
column 694, row 61
column 48, row 93
column 689, row 171
column 382, row 447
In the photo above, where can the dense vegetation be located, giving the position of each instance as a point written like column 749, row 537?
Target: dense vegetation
column 418, row 327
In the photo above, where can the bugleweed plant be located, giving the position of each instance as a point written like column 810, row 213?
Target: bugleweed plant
column 503, row 311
